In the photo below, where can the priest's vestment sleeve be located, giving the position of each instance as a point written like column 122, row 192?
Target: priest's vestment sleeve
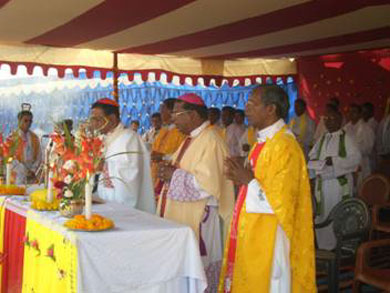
column 204, row 159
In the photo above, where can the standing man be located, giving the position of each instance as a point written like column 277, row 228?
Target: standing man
column 152, row 133
column 234, row 133
column 368, row 116
column 196, row 191
column 125, row 177
column 303, row 126
column 167, row 141
column 28, row 161
column 364, row 139
column 333, row 160
column 270, row 247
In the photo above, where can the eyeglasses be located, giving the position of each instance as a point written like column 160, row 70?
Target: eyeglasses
column 175, row 114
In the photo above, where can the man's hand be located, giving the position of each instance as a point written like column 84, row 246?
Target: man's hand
column 165, row 171
column 236, row 172
column 156, row 156
column 328, row 161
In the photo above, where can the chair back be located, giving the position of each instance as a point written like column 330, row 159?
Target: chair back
column 375, row 189
column 351, row 221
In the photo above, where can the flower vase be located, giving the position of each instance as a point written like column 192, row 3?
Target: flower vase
column 70, row 208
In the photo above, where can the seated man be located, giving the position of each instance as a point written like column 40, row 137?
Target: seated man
column 125, row 176
column 333, row 160
column 27, row 162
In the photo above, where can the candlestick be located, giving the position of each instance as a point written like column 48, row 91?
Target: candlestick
column 49, row 196
column 88, row 199
column 9, row 169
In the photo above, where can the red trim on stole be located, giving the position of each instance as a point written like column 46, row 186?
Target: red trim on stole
column 236, row 215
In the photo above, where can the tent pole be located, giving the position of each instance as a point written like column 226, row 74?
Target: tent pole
column 115, row 78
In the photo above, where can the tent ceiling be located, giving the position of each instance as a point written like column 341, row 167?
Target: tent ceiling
column 202, row 29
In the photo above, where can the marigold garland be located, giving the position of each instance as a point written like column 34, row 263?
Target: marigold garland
column 39, row 202
column 96, row 223
column 12, row 190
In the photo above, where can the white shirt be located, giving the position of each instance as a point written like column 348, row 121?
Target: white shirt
column 234, row 133
column 383, row 136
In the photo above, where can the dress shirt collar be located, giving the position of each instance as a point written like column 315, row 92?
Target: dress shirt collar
column 270, row 131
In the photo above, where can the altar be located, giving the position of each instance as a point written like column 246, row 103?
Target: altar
column 143, row 253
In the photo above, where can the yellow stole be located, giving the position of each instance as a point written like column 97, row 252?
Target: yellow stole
column 167, row 142
column 281, row 171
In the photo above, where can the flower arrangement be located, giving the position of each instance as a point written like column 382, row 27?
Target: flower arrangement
column 10, row 149
column 96, row 223
column 73, row 158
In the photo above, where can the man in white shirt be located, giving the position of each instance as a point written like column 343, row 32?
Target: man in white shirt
column 234, row 133
column 364, row 139
column 125, row 176
column 368, row 116
column 333, row 160
column 151, row 134
column 303, row 126
column 369, row 119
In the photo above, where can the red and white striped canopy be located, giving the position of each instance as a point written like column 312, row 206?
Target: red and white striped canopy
column 85, row 32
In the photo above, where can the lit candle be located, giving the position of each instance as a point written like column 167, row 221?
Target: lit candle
column 88, row 199
column 9, row 169
column 49, row 196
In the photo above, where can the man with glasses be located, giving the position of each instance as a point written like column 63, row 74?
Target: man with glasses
column 125, row 176
column 196, row 191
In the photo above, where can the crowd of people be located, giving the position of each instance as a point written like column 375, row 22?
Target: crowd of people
column 248, row 192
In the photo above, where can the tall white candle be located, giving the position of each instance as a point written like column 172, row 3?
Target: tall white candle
column 49, row 196
column 8, row 175
column 88, row 199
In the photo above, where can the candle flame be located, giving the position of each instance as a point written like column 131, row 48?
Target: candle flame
column 10, row 159
column 87, row 175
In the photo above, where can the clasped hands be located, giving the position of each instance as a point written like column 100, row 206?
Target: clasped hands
column 235, row 171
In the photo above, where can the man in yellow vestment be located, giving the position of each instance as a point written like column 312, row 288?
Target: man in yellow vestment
column 271, row 246
column 168, row 139
column 196, row 192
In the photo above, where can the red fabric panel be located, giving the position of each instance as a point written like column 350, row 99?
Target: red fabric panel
column 14, row 231
column 109, row 17
column 282, row 19
column 349, row 39
column 363, row 77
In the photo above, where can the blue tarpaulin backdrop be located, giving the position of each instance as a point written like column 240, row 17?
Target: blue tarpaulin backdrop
column 138, row 102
